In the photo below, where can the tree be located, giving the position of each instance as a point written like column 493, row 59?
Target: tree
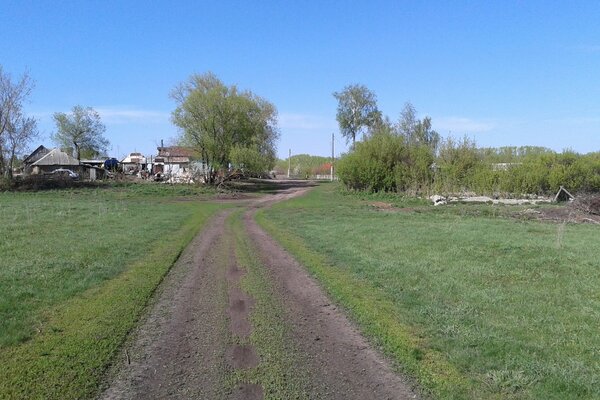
column 221, row 121
column 16, row 130
column 357, row 111
column 18, row 135
column 82, row 130
column 417, row 132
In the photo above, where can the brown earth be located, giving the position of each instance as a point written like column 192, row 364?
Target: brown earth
column 561, row 214
column 182, row 347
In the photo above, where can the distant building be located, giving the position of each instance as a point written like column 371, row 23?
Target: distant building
column 134, row 163
column 55, row 159
column 52, row 160
column 173, row 161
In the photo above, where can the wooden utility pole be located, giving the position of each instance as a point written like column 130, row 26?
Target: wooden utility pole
column 332, row 154
column 289, row 162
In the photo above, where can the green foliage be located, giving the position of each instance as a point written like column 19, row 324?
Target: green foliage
column 539, row 173
column 303, row 165
column 215, row 118
column 356, row 111
column 373, row 163
column 250, row 160
column 457, row 164
column 462, row 167
column 471, row 306
column 386, row 162
column 394, row 157
column 81, row 129
column 417, row 132
column 511, row 154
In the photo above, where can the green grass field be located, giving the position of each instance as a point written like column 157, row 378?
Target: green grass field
column 470, row 302
column 76, row 271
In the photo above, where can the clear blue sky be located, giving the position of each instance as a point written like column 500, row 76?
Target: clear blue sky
column 503, row 73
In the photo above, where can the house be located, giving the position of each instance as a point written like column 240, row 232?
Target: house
column 35, row 155
column 173, row 161
column 134, row 163
column 56, row 159
column 52, row 160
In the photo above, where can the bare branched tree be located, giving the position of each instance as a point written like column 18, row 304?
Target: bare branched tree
column 15, row 129
column 18, row 135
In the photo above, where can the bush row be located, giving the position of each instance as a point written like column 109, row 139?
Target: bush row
column 386, row 161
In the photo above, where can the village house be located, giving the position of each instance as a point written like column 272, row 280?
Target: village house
column 173, row 161
column 47, row 161
column 134, row 163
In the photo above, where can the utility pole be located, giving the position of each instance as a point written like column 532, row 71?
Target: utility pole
column 289, row 162
column 332, row 154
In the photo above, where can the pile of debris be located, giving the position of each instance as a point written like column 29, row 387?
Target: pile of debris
column 588, row 204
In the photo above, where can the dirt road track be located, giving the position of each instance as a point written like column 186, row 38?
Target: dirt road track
column 182, row 348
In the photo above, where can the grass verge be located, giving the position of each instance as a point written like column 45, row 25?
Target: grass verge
column 473, row 305
column 72, row 297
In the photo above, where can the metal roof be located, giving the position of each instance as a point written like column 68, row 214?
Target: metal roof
column 57, row 157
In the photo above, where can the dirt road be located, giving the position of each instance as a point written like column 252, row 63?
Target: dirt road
column 238, row 318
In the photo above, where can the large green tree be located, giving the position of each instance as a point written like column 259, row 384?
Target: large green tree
column 225, row 125
column 82, row 129
column 357, row 111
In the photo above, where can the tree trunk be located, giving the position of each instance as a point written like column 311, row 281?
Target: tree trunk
column 78, row 153
column 1, row 161
column 11, row 164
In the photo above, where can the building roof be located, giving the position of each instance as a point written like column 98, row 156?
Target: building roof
column 134, row 158
column 176, row 151
column 57, row 157
column 36, row 155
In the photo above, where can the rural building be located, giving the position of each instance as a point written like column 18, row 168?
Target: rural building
column 52, row 160
column 56, row 159
column 94, row 162
column 173, row 161
column 134, row 163
column 35, row 155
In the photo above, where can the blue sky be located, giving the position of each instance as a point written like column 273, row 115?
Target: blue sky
column 501, row 72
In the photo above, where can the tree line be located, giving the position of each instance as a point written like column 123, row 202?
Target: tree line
column 408, row 156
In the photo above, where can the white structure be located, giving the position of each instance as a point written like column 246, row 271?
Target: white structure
column 133, row 163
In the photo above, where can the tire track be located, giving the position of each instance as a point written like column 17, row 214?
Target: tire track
column 178, row 350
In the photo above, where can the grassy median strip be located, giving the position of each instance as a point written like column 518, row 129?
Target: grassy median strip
column 472, row 306
column 78, row 268
column 279, row 372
